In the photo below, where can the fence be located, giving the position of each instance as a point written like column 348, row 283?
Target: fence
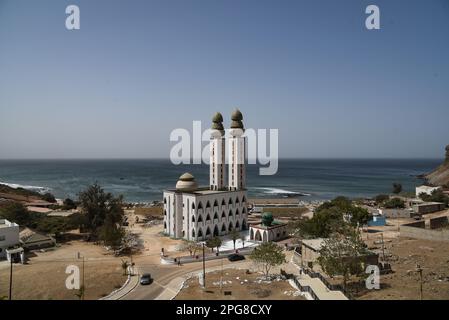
column 301, row 288
column 312, row 274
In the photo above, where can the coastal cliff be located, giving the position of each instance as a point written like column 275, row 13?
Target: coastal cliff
column 440, row 176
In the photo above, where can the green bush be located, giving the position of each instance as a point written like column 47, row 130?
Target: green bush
column 394, row 203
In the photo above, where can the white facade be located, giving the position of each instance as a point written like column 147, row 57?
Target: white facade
column 196, row 213
column 261, row 233
column 425, row 189
column 9, row 236
column 217, row 161
column 237, row 155
column 203, row 214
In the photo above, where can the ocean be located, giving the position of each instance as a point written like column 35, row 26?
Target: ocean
column 144, row 180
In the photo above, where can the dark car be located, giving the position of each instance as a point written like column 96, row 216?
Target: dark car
column 146, row 279
column 235, row 257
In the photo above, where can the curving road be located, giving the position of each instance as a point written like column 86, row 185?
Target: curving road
column 163, row 274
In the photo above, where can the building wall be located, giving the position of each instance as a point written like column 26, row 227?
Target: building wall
column 426, row 190
column 421, row 233
column 9, row 236
column 264, row 234
column 439, row 222
column 203, row 216
column 308, row 254
column 428, row 208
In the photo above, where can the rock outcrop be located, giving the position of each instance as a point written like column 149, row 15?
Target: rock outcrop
column 440, row 176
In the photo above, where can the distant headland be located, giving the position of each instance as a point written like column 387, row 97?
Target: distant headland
column 440, row 176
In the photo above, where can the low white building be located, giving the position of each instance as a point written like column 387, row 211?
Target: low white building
column 425, row 189
column 9, row 236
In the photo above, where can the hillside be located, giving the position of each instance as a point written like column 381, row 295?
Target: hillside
column 440, row 176
column 20, row 195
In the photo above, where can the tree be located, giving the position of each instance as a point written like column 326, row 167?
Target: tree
column 436, row 196
column 234, row 234
column 268, row 255
column 397, row 188
column 341, row 255
column 394, row 203
column 191, row 246
column 214, row 242
column 16, row 212
column 124, row 266
column 69, row 204
column 381, row 198
column 359, row 216
column 49, row 197
column 328, row 218
column 104, row 214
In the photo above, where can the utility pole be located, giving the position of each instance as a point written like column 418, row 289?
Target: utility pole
column 383, row 247
column 84, row 288
column 204, row 268
column 10, row 279
column 221, row 278
column 419, row 270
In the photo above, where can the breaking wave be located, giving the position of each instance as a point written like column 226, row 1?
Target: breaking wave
column 31, row 188
column 283, row 192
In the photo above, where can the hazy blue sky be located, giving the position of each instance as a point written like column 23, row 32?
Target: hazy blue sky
column 138, row 69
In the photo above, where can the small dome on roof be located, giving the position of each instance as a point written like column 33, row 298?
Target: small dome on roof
column 187, row 177
column 237, row 115
column 186, row 182
column 218, row 117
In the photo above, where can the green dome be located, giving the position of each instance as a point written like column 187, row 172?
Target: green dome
column 217, row 126
column 267, row 219
column 217, row 118
column 187, row 177
column 237, row 115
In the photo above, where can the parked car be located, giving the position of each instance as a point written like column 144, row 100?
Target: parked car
column 146, row 279
column 235, row 257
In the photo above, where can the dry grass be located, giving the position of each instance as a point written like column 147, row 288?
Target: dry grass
column 432, row 256
column 290, row 213
column 239, row 288
column 152, row 212
column 43, row 278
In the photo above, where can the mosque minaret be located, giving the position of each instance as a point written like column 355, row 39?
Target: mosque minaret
column 198, row 213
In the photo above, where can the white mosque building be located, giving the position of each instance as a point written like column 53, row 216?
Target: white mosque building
column 198, row 213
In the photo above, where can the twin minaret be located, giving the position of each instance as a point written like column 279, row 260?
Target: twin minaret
column 236, row 157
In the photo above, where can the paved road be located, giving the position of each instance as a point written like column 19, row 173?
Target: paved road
column 163, row 274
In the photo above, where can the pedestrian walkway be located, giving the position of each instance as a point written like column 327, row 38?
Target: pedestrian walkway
column 317, row 286
column 130, row 284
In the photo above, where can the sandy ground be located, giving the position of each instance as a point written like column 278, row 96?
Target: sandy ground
column 242, row 286
column 404, row 283
column 43, row 277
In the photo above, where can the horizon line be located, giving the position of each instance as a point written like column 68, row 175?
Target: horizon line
column 280, row 158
